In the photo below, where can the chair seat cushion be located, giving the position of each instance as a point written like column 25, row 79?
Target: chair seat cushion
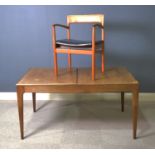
column 75, row 43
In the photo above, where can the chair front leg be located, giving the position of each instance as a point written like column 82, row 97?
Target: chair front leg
column 55, row 64
column 93, row 66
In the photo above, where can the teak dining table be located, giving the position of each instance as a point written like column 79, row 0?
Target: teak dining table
column 43, row 80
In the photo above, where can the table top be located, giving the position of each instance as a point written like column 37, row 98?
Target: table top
column 82, row 76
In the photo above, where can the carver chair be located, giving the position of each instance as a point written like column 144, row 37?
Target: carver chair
column 70, row 46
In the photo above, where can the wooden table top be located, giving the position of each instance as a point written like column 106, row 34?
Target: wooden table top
column 45, row 76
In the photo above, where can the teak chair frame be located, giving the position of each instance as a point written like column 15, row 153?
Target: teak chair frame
column 98, row 21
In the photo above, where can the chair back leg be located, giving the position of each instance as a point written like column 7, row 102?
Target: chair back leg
column 102, row 62
column 102, row 59
column 69, row 62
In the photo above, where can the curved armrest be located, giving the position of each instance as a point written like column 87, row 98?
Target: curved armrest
column 60, row 25
column 54, row 32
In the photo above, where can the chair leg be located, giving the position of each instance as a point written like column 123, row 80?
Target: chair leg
column 69, row 62
column 102, row 60
column 93, row 66
column 55, row 64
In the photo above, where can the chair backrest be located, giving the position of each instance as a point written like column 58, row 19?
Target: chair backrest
column 90, row 18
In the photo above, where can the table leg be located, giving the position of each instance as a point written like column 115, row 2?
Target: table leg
column 122, row 101
column 20, row 92
column 135, row 96
column 34, row 101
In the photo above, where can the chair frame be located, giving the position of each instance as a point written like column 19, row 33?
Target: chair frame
column 98, row 21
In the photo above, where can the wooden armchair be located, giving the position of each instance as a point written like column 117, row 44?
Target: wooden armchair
column 70, row 46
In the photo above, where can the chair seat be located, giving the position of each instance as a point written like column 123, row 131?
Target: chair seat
column 75, row 43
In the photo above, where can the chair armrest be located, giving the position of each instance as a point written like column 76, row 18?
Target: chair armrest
column 60, row 25
column 54, row 32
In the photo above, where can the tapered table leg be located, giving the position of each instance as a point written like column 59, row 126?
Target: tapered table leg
column 34, row 101
column 20, row 92
column 135, row 96
column 122, row 101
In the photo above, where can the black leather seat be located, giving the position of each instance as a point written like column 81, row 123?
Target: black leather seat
column 75, row 43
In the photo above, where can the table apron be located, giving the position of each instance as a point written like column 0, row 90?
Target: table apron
column 80, row 88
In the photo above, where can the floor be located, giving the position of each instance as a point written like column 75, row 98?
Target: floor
column 78, row 121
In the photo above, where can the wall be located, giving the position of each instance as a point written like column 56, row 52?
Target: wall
column 25, row 40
